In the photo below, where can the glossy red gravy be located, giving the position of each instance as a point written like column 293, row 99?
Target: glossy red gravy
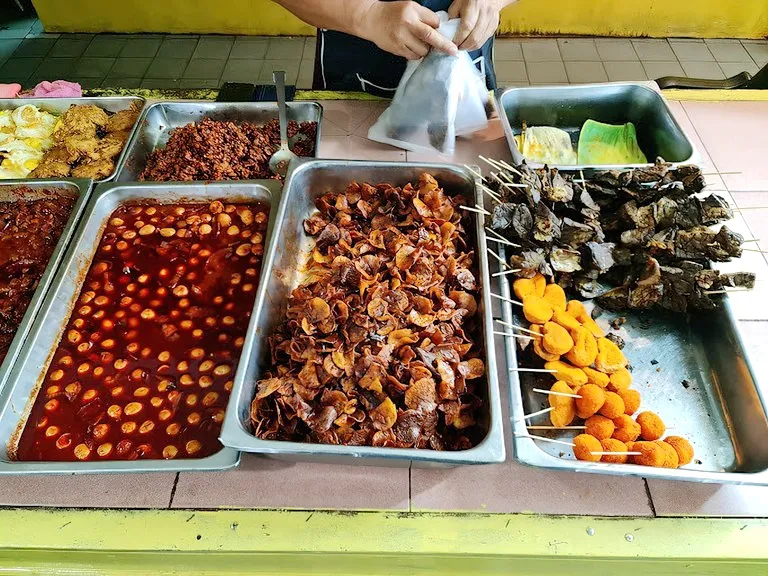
column 146, row 363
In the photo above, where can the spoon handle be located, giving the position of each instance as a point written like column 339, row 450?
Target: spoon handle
column 279, row 79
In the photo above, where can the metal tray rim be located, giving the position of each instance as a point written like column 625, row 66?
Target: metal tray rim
column 223, row 459
column 526, row 452
column 17, row 344
column 490, row 450
column 92, row 100
column 211, row 105
column 499, row 93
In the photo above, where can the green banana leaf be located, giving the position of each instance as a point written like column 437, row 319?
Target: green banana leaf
column 609, row 144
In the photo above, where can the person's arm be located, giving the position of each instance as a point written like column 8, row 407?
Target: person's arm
column 479, row 21
column 404, row 28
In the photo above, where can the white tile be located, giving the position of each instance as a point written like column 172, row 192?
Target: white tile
column 654, row 50
column 656, row 70
column 733, row 68
column 691, row 50
column 728, row 50
column 505, row 49
column 546, row 72
column 615, row 49
column 511, row 73
column 541, row 50
column 578, row 49
column 625, row 71
column 705, row 70
column 758, row 49
column 585, row 72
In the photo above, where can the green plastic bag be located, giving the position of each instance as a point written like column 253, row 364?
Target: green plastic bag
column 609, row 144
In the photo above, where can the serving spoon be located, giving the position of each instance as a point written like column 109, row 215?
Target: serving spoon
column 280, row 159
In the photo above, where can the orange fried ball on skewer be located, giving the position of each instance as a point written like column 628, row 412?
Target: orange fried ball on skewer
column 540, row 285
column 609, row 358
column 671, row 459
column 577, row 310
column 651, row 426
column 555, row 295
column 592, row 399
column 600, row 427
column 613, row 406
column 564, row 406
column 556, row 339
column 584, row 446
column 565, row 320
column 613, row 445
column 567, row 373
column 537, row 310
column 538, row 347
column 523, row 287
column 631, row 400
column 682, row 447
column 584, row 349
column 595, row 377
column 651, row 454
column 627, row 430
column 620, row 380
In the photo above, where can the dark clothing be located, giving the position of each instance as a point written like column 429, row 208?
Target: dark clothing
column 348, row 63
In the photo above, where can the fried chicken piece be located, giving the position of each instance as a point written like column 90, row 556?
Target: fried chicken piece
column 124, row 119
column 59, row 154
column 111, row 145
column 82, row 147
column 81, row 120
column 51, row 169
column 95, row 169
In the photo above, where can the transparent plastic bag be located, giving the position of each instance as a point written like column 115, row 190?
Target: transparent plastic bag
column 439, row 98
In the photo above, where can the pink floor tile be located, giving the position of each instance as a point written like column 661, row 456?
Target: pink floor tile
column 357, row 148
column 685, row 123
column 92, row 491
column 343, row 117
column 686, row 499
column 734, row 134
column 267, row 483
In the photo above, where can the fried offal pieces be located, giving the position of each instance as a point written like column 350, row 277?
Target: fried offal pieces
column 377, row 345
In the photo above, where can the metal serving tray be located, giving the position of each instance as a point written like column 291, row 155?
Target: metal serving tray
column 289, row 248
column 692, row 370
column 159, row 119
column 60, row 105
column 77, row 188
column 32, row 363
column 568, row 107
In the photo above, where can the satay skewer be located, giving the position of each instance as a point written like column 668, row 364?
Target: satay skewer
column 477, row 210
column 509, row 183
column 505, row 242
column 537, row 413
column 516, row 327
column 491, row 193
column 544, row 370
column 572, row 445
column 512, row 335
column 501, row 238
column 475, row 172
column 506, row 272
column 616, row 453
column 711, row 292
column 505, row 299
column 552, row 393
column 500, row 259
column 556, row 427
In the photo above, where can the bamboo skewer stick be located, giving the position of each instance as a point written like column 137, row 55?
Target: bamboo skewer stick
column 500, row 237
column 476, row 173
column 516, row 327
column 545, row 439
column 509, row 183
column 556, row 427
column 477, row 210
column 505, row 299
column 710, row 292
column 754, row 250
column 513, row 335
column 551, row 393
column 544, row 370
column 616, row 453
column 537, row 413
column 505, row 242
column 491, row 193
column 499, row 258
column 510, row 168
column 505, row 272
column 491, row 163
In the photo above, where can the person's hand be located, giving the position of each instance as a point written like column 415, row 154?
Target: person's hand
column 479, row 21
column 404, row 28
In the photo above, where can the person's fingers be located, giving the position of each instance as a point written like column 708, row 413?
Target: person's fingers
column 479, row 35
column 435, row 39
column 469, row 22
column 427, row 16
column 417, row 47
column 454, row 11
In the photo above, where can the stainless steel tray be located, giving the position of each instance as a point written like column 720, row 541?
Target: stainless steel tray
column 78, row 188
column 61, row 105
column 568, row 107
column 159, row 119
column 32, row 363
column 721, row 409
column 289, row 247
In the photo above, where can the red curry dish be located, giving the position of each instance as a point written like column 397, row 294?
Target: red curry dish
column 147, row 360
column 378, row 346
column 29, row 233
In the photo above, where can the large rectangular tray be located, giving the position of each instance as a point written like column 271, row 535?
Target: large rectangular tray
column 78, row 188
column 159, row 119
column 32, row 364
column 568, row 107
column 286, row 253
column 60, row 105
column 693, row 370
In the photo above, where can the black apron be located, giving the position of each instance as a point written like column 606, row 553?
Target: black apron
column 348, row 63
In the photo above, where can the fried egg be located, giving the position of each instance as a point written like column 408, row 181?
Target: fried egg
column 32, row 122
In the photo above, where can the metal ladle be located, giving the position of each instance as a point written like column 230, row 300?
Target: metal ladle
column 280, row 159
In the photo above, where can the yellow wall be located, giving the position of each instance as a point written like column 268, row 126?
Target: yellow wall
column 660, row 18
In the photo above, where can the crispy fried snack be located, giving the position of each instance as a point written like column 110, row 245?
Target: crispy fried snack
column 51, row 169
column 682, row 447
column 95, row 169
column 124, row 120
column 377, row 345
column 585, row 445
column 651, row 426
